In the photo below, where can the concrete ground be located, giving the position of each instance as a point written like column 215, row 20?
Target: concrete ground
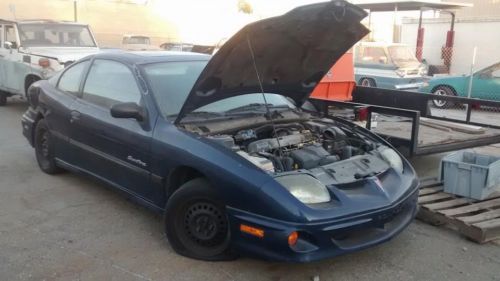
column 68, row 227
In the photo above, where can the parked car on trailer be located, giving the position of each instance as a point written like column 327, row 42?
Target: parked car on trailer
column 388, row 66
column 36, row 49
column 221, row 146
column 485, row 86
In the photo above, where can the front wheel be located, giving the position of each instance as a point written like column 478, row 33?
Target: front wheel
column 367, row 82
column 443, row 91
column 196, row 224
column 44, row 149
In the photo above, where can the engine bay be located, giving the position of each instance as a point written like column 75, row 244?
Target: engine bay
column 329, row 150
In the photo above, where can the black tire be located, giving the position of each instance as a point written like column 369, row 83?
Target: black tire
column 44, row 149
column 367, row 82
column 196, row 224
column 443, row 91
column 3, row 99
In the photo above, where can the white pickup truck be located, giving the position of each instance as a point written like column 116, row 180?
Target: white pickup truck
column 36, row 49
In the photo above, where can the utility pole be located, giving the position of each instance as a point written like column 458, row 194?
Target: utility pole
column 75, row 10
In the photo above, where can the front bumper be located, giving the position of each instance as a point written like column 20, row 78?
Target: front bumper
column 325, row 239
column 28, row 123
column 410, row 86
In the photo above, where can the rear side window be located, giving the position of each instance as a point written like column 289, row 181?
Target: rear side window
column 110, row 82
column 71, row 78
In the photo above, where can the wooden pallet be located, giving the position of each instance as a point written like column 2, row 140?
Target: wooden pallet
column 477, row 220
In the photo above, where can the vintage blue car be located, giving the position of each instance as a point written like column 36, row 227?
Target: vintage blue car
column 221, row 146
column 485, row 85
column 388, row 66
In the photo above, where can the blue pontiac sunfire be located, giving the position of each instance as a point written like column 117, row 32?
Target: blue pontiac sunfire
column 221, row 145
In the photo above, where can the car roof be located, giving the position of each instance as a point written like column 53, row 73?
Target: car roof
column 145, row 57
column 47, row 21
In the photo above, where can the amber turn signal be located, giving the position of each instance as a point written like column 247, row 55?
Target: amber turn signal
column 292, row 238
column 252, row 230
column 44, row 62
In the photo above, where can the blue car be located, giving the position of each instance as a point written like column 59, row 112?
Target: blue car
column 387, row 65
column 221, row 146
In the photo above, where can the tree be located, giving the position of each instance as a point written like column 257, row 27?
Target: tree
column 244, row 7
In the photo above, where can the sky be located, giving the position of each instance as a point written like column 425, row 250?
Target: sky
column 208, row 22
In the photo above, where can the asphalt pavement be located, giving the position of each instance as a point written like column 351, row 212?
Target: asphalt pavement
column 69, row 227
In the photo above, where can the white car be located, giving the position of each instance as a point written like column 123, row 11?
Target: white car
column 138, row 43
column 34, row 50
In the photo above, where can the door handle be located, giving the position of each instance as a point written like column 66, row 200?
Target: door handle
column 75, row 116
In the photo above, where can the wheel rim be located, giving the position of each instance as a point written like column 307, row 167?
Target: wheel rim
column 366, row 83
column 440, row 103
column 203, row 226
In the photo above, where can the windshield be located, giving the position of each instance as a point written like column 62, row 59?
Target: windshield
column 136, row 40
column 252, row 102
column 171, row 83
column 401, row 54
column 55, row 34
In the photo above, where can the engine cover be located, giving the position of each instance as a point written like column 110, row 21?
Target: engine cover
column 312, row 156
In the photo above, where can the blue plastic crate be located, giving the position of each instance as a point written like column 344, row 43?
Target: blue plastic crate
column 469, row 174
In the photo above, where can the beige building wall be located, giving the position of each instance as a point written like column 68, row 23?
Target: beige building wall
column 109, row 19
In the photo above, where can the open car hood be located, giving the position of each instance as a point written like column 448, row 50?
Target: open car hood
column 291, row 54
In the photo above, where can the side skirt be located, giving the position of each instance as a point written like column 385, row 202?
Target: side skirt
column 130, row 195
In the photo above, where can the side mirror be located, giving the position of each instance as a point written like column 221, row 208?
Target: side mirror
column 7, row 45
column 128, row 110
column 382, row 60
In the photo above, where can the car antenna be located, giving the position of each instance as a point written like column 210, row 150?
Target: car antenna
column 268, row 111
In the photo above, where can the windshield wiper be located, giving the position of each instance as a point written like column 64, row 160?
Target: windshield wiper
column 256, row 108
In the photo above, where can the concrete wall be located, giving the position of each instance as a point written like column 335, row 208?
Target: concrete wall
column 109, row 20
column 468, row 34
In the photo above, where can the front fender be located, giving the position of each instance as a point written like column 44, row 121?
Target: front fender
column 238, row 182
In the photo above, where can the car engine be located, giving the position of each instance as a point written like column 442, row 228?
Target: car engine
column 304, row 145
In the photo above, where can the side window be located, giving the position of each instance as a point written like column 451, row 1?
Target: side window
column 358, row 54
column 71, row 78
column 10, row 35
column 495, row 71
column 109, row 83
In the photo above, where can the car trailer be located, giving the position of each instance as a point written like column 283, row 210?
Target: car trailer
column 411, row 124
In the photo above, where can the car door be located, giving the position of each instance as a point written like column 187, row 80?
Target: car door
column 3, row 52
column 57, row 103
column 13, row 68
column 114, row 149
column 486, row 84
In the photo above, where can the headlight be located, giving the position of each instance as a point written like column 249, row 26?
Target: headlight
column 305, row 188
column 401, row 73
column 392, row 157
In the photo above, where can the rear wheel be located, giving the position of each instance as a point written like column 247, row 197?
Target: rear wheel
column 367, row 82
column 443, row 91
column 44, row 149
column 196, row 224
